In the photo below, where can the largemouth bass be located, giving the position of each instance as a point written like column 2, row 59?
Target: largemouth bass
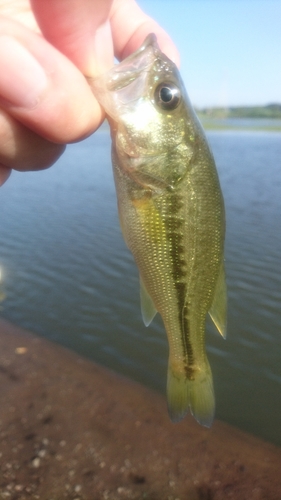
column 171, row 213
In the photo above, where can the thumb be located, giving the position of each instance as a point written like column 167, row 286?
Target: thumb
column 80, row 29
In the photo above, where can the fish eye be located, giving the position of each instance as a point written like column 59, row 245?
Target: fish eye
column 167, row 96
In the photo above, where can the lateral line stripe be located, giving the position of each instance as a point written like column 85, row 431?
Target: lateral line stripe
column 174, row 228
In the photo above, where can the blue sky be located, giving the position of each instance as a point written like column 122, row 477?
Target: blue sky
column 230, row 49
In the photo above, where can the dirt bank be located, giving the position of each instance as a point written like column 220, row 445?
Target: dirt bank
column 71, row 429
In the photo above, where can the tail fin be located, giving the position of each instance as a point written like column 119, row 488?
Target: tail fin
column 197, row 395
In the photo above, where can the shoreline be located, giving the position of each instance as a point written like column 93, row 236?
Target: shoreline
column 72, row 429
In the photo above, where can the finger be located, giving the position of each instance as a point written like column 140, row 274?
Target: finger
column 128, row 36
column 4, row 174
column 42, row 89
column 22, row 149
column 20, row 11
column 82, row 32
column 79, row 29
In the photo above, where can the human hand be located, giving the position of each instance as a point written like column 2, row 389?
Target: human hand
column 45, row 101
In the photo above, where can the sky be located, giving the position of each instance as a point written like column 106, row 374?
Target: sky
column 230, row 49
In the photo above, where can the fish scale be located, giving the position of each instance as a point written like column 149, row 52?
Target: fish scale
column 171, row 213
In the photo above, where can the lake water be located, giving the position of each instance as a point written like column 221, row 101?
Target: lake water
column 67, row 275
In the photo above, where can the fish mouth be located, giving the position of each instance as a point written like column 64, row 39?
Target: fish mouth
column 134, row 68
column 134, row 65
column 127, row 81
column 133, row 80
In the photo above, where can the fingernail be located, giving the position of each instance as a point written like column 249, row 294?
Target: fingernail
column 22, row 79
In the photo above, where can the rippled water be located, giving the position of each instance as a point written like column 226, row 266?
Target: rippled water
column 67, row 275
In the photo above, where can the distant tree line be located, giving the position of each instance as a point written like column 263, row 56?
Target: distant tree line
column 269, row 111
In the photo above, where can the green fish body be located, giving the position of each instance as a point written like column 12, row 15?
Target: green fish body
column 171, row 213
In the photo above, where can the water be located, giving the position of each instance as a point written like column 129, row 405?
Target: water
column 67, row 275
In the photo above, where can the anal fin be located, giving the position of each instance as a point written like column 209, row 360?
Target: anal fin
column 148, row 310
column 218, row 308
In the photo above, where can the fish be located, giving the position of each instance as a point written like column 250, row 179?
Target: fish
column 171, row 213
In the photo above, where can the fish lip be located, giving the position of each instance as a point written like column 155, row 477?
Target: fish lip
column 150, row 42
column 135, row 68
column 134, row 65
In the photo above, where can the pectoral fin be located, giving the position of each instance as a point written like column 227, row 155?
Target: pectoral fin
column 219, row 305
column 148, row 310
